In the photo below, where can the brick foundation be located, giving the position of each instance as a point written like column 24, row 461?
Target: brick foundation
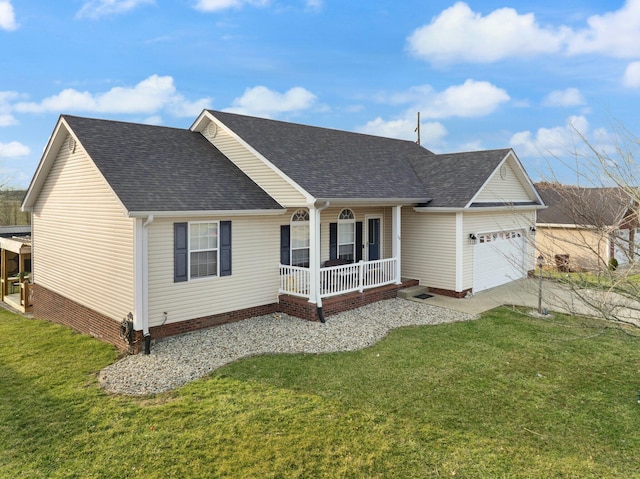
column 59, row 309
column 181, row 327
column 302, row 308
column 449, row 292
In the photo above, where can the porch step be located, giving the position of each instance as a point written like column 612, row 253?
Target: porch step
column 412, row 291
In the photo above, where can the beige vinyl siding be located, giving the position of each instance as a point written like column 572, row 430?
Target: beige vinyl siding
column 256, row 169
column 254, row 279
column 510, row 188
column 489, row 222
column 429, row 248
column 588, row 249
column 82, row 240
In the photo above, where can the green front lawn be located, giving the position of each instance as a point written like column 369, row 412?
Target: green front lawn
column 504, row 396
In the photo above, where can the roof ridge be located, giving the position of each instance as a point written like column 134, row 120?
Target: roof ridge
column 125, row 122
column 303, row 125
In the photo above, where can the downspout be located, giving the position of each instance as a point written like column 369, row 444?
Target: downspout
column 145, row 285
column 318, row 298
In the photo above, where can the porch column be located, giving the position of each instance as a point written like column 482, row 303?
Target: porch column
column 396, row 231
column 314, row 256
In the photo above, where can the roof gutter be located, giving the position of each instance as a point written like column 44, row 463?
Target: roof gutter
column 197, row 213
column 437, row 209
column 372, row 201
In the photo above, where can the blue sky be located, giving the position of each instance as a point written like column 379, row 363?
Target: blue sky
column 484, row 74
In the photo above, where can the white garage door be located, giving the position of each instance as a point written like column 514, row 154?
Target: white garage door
column 498, row 258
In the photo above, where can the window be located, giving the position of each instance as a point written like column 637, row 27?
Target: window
column 203, row 250
column 346, row 235
column 300, row 239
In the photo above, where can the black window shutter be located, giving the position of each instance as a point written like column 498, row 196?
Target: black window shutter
column 225, row 248
column 333, row 241
column 358, row 241
column 180, row 252
column 285, row 244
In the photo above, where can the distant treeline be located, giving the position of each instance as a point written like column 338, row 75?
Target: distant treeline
column 10, row 214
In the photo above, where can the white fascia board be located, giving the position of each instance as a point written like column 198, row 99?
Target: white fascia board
column 478, row 209
column 199, row 125
column 49, row 154
column 524, row 174
column 202, row 213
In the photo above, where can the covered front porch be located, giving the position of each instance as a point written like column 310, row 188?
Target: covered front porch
column 15, row 273
column 350, row 260
column 339, row 279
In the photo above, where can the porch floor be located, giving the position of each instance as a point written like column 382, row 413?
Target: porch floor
column 13, row 300
column 302, row 308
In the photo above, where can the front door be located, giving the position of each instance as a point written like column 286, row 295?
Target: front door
column 373, row 239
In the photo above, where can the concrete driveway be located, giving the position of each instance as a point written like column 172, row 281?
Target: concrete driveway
column 555, row 297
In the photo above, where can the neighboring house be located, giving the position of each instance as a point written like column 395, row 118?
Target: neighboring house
column 583, row 228
column 239, row 216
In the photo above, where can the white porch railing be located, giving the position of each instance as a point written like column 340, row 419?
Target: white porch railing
column 335, row 280
column 294, row 280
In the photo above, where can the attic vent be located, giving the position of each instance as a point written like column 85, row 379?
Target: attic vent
column 503, row 172
column 71, row 145
column 211, row 130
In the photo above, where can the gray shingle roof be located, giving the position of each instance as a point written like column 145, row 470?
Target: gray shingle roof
column 453, row 179
column 572, row 205
column 154, row 168
column 332, row 163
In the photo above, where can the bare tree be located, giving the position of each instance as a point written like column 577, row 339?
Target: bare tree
column 590, row 234
column 10, row 213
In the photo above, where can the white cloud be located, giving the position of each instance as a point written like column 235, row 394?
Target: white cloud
column 149, row 96
column 471, row 99
column 558, row 141
column 631, row 76
column 568, row 97
column 6, row 118
column 460, row 35
column 260, row 101
column 99, row 8
column 218, row 5
column 431, row 133
column 614, row 33
column 13, row 150
column 314, row 4
column 7, row 17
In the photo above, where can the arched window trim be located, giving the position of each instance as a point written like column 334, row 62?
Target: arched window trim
column 347, row 235
column 300, row 241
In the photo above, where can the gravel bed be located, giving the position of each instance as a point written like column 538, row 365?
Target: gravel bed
column 177, row 360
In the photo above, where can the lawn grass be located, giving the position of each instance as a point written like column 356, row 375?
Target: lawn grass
column 505, row 396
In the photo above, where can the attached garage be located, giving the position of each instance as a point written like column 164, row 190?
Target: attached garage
column 498, row 258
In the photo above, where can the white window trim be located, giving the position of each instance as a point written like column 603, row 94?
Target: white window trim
column 298, row 223
column 343, row 222
column 189, row 251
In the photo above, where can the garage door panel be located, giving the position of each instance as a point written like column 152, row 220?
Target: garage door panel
column 498, row 258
